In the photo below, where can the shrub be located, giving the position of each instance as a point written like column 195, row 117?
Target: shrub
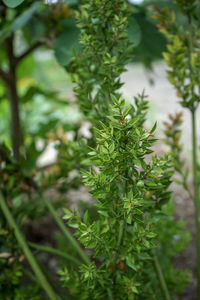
column 130, row 185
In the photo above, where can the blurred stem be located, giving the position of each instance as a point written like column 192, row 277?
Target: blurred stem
column 194, row 161
column 11, row 84
column 67, row 233
column 55, row 252
column 160, row 276
column 27, row 252
column 196, row 198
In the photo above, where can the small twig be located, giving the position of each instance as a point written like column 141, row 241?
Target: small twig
column 66, row 232
column 27, row 252
column 54, row 252
column 160, row 276
column 28, row 51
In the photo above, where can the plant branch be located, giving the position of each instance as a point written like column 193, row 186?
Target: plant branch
column 66, row 232
column 54, row 252
column 16, row 132
column 27, row 252
column 27, row 52
column 160, row 276
column 195, row 162
column 196, row 199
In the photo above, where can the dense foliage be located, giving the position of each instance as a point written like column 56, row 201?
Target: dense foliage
column 183, row 59
column 130, row 191
column 118, row 250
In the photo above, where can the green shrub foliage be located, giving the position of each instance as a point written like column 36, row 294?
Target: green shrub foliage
column 130, row 193
column 182, row 58
column 128, row 181
column 105, row 51
column 183, row 54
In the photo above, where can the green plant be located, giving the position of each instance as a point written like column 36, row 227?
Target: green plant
column 183, row 58
column 130, row 189
column 130, row 194
column 124, row 239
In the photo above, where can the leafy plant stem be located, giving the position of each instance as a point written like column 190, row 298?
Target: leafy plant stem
column 33, row 263
column 196, row 199
column 194, row 161
column 55, row 252
column 160, row 277
column 66, row 232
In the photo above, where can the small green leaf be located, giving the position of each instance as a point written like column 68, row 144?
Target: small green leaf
column 68, row 214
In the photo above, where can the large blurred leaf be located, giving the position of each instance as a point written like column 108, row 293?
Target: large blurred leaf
column 25, row 16
column 12, row 3
column 67, row 41
column 19, row 22
column 134, row 31
column 34, row 30
column 152, row 43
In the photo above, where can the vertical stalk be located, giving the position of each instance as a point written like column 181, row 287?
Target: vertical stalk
column 194, row 162
column 16, row 134
column 161, row 278
column 67, row 233
column 196, row 198
column 15, row 129
column 27, row 252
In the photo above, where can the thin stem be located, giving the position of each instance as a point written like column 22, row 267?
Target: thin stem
column 66, row 232
column 54, row 252
column 121, row 232
column 28, row 51
column 160, row 276
column 196, row 199
column 27, row 252
column 194, row 161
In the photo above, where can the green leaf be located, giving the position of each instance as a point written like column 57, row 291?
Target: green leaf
column 131, row 263
column 153, row 128
column 103, row 213
column 68, row 214
column 65, row 43
column 134, row 31
column 20, row 21
column 86, row 217
column 12, row 3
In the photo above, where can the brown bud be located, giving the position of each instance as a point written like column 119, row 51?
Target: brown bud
column 121, row 265
column 114, row 205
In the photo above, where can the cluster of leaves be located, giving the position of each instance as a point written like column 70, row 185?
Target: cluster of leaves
column 173, row 135
column 130, row 193
column 183, row 54
column 104, row 54
column 183, row 58
column 130, row 189
column 13, row 184
column 130, row 185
